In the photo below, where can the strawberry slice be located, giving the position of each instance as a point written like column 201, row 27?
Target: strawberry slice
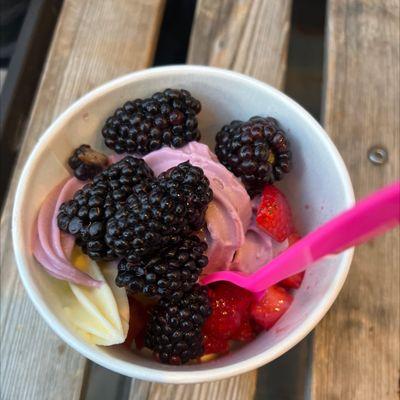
column 271, row 307
column 294, row 281
column 214, row 345
column 293, row 238
column 239, row 297
column 230, row 306
column 274, row 214
column 245, row 333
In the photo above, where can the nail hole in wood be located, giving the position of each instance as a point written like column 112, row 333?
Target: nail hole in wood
column 378, row 155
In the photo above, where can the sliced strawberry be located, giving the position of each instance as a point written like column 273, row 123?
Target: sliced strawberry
column 224, row 320
column 293, row 282
column 230, row 305
column 215, row 345
column 271, row 307
column 137, row 323
column 274, row 214
column 257, row 328
column 246, row 332
column 233, row 294
column 293, row 238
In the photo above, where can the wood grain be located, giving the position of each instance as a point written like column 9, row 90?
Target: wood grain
column 251, row 37
column 94, row 42
column 248, row 36
column 242, row 387
column 357, row 346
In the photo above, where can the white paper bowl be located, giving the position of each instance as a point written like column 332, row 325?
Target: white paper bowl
column 318, row 188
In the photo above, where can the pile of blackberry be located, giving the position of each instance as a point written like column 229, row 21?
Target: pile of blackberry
column 170, row 274
column 257, row 151
column 172, row 209
column 149, row 223
column 174, row 329
column 141, row 126
column 86, row 215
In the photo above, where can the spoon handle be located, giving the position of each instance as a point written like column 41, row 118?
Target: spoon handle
column 368, row 218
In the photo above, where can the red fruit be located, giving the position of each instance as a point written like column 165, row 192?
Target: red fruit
column 224, row 321
column 245, row 333
column 215, row 345
column 137, row 323
column 293, row 238
column 271, row 307
column 274, row 214
column 294, row 281
column 230, row 306
column 236, row 295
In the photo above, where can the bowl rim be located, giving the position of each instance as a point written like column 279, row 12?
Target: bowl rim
column 153, row 374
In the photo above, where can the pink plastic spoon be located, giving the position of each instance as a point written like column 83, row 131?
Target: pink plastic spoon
column 368, row 218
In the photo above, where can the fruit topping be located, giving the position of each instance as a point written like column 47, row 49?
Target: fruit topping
column 257, row 151
column 213, row 345
column 230, row 307
column 294, row 281
column 246, row 331
column 271, row 307
column 274, row 214
column 189, row 182
column 86, row 162
column 142, row 126
column 152, row 221
column 170, row 274
column 86, row 215
column 138, row 320
column 174, row 330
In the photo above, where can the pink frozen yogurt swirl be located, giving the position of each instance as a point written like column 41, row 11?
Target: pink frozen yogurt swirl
column 53, row 248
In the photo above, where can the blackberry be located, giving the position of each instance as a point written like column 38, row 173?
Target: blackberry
column 86, row 215
column 257, row 151
column 189, row 182
column 142, row 126
column 146, row 224
column 86, row 162
column 173, row 331
column 170, row 274
column 157, row 219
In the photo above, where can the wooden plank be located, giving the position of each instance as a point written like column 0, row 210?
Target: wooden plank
column 89, row 47
column 251, row 37
column 357, row 346
column 242, row 387
column 248, row 36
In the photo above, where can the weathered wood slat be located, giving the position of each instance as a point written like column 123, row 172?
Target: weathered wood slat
column 357, row 347
column 89, row 48
column 248, row 36
column 242, row 387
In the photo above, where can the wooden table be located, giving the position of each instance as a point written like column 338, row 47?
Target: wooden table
column 356, row 348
